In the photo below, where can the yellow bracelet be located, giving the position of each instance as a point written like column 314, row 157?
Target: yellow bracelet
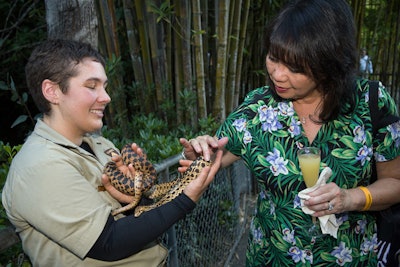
column 368, row 198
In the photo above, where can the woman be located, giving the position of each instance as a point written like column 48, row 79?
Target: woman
column 51, row 194
column 315, row 100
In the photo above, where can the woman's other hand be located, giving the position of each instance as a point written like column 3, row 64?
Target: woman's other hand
column 127, row 170
column 328, row 199
column 196, row 188
column 204, row 145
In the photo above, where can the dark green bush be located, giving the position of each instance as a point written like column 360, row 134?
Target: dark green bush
column 155, row 136
column 14, row 255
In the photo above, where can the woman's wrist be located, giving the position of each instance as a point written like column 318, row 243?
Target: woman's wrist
column 359, row 201
column 354, row 199
column 368, row 198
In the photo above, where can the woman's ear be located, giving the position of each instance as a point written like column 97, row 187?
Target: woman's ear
column 50, row 91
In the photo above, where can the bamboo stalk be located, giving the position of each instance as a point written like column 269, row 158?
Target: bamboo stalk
column 199, row 59
column 222, row 37
column 233, row 54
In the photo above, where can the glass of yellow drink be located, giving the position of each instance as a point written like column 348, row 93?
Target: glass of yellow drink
column 309, row 160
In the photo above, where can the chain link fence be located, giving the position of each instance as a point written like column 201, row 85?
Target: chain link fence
column 209, row 235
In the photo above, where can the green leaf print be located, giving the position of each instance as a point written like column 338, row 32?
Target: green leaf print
column 348, row 141
column 280, row 133
column 388, row 141
column 255, row 120
column 343, row 153
column 339, row 124
column 326, row 256
column 292, row 168
column 278, row 241
column 262, row 160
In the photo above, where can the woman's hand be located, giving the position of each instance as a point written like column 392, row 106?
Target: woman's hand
column 185, row 163
column 328, row 199
column 126, row 170
column 385, row 192
column 202, row 145
column 196, row 188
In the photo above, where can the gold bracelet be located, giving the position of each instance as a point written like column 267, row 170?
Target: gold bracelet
column 368, row 198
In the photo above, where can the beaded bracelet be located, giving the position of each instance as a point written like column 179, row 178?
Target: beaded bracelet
column 368, row 198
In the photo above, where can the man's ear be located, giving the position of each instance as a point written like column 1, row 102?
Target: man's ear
column 50, row 91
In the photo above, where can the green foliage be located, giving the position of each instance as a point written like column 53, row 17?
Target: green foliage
column 150, row 133
column 7, row 153
column 208, row 125
column 163, row 12
column 14, row 255
column 159, row 139
column 188, row 99
column 22, row 27
column 157, row 134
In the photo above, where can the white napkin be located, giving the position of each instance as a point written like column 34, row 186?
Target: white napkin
column 328, row 223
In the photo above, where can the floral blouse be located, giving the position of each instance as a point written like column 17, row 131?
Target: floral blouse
column 266, row 134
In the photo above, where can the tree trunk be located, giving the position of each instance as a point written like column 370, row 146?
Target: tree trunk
column 72, row 19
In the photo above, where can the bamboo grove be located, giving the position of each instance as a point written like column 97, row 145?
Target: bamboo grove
column 185, row 60
column 192, row 59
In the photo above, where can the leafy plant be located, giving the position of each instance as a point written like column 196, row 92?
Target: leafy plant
column 7, row 153
column 13, row 256
column 156, row 137
column 150, row 133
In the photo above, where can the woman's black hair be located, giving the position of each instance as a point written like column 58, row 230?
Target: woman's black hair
column 318, row 38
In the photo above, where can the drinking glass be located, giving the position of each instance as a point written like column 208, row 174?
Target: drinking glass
column 309, row 160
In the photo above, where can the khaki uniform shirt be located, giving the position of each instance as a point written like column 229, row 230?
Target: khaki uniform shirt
column 51, row 197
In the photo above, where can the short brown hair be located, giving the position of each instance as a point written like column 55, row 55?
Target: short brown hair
column 55, row 59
